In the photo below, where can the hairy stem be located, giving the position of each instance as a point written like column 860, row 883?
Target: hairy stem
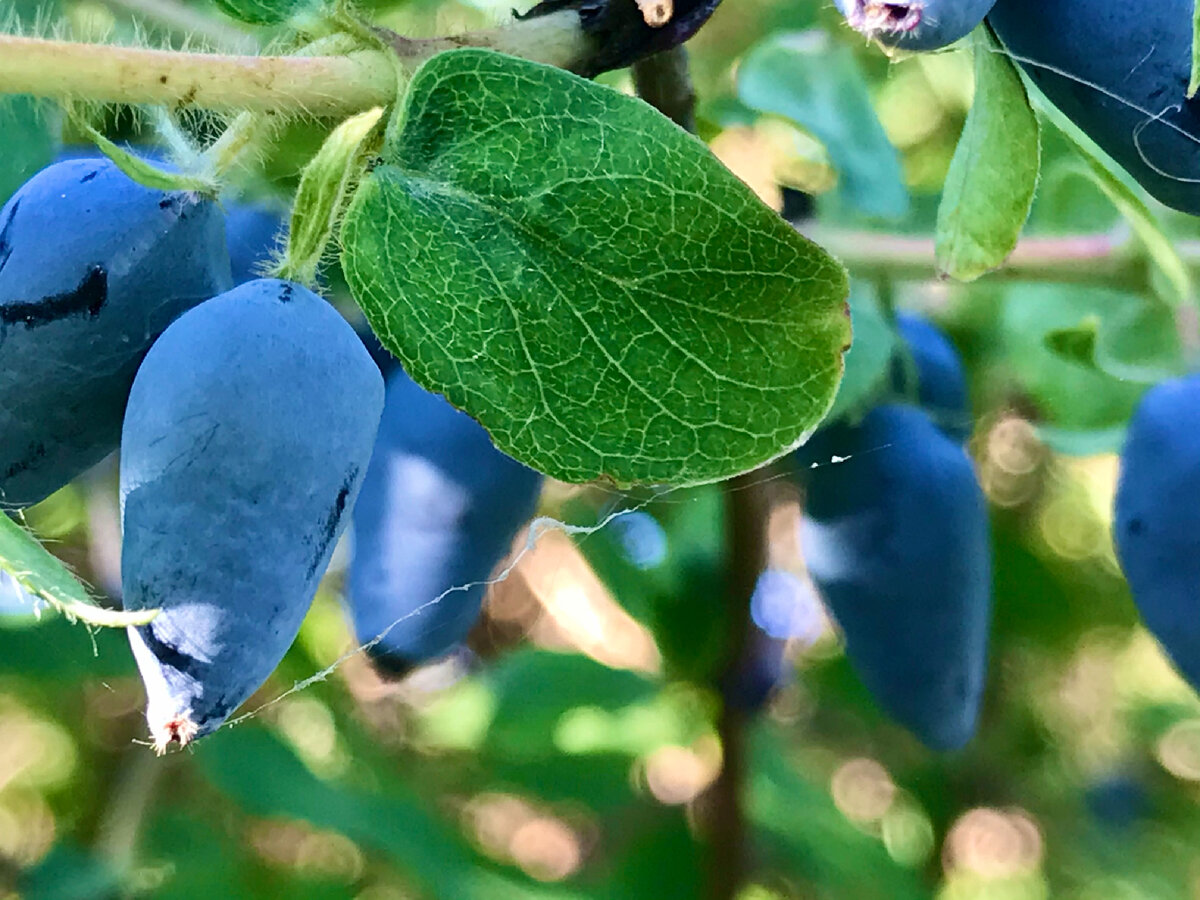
column 314, row 85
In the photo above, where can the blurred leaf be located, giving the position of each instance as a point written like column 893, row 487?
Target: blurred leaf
column 1140, row 342
column 264, row 12
column 79, row 653
column 31, row 131
column 204, row 862
column 1077, row 343
column 600, row 781
column 868, row 362
column 39, row 572
column 588, row 281
column 68, row 873
column 1069, row 396
column 989, row 188
column 661, row 860
column 812, row 837
column 816, row 84
column 267, row 779
column 534, row 689
column 1095, row 166
column 1137, row 341
column 1082, row 442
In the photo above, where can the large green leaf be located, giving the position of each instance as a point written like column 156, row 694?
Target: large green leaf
column 989, row 188
column 588, row 281
column 40, row 573
column 818, row 86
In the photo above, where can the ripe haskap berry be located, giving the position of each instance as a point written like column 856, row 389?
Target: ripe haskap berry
column 941, row 388
column 1120, row 72
column 439, row 509
column 917, row 24
column 896, row 538
column 1157, row 518
column 247, row 436
column 93, row 267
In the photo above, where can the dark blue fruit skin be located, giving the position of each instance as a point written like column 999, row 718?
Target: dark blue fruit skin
column 246, row 440
column 941, row 388
column 255, row 235
column 919, row 25
column 896, row 537
column 92, row 268
column 1157, row 518
column 1127, row 64
column 439, row 509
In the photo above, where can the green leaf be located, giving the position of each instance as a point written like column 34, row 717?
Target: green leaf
column 870, row 355
column 990, row 185
column 267, row 779
column 818, row 86
column 798, row 822
column 1068, row 395
column 1194, row 79
column 40, row 573
column 324, row 187
column 1095, row 166
column 263, row 12
column 1076, row 343
column 588, row 281
column 31, row 140
column 144, row 171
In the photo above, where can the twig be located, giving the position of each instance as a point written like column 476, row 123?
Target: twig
column 662, row 81
column 746, row 508
column 1091, row 259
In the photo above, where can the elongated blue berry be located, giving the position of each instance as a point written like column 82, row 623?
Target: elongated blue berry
column 439, row 509
column 93, row 267
column 248, row 433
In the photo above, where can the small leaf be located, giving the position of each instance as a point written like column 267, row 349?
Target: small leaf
column 144, row 171
column 818, row 86
column 584, row 278
column 1077, row 343
column 39, row 572
column 31, row 139
column 321, row 197
column 989, row 187
column 1194, row 79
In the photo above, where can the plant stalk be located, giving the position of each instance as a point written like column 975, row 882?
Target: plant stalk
column 317, row 85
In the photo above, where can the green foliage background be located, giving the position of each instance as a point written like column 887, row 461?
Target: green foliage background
column 552, row 772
